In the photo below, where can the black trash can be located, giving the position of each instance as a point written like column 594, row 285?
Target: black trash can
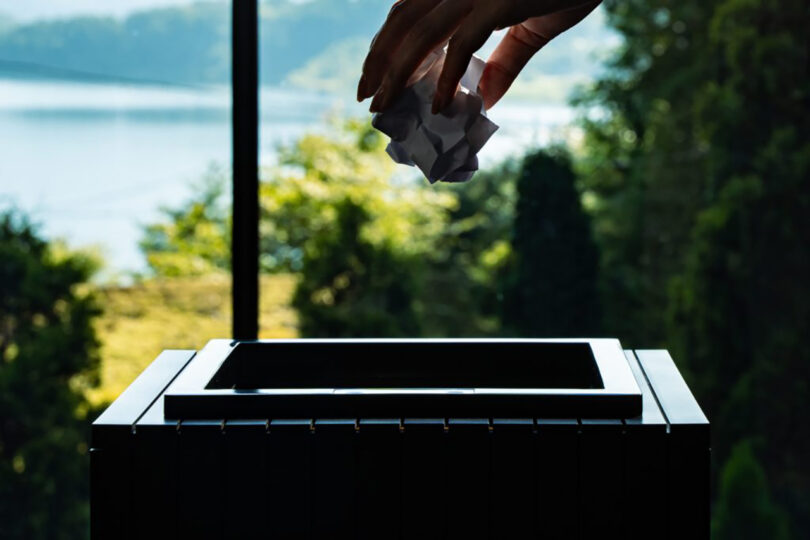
column 403, row 439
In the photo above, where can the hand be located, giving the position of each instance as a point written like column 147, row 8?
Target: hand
column 414, row 28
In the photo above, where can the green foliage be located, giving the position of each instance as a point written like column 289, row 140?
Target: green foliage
column 194, row 239
column 697, row 177
column 341, row 188
column 458, row 234
column 745, row 510
column 550, row 283
column 299, row 198
column 741, row 310
column 48, row 358
column 643, row 171
column 142, row 319
column 458, row 296
column 353, row 288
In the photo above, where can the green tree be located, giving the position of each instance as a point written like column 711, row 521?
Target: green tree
column 550, row 285
column 194, row 238
column 643, row 172
column 351, row 287
column 696, row 173
column 745, row 510
column 458, row 295
column 343, row 188
column 48, row 357
column 741, row 311
column 300, row 196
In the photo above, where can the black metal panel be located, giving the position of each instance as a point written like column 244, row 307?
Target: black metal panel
column 379, row 479
column 645, row 464
column 335, row 491
column 246, row 488
column 469, row 463
column 289, row 477
column 424, row 479
column 601, row 478
column 155, row 476
column 513, row 499
column 201, row 475
column 113, row 469
column 557, row 477
column 111, row 482
column 688, row 454
column 245, row 138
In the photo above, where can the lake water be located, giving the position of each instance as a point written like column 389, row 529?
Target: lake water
column 93, row 163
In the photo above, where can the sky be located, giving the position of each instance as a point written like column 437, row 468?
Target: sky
column 26, row 10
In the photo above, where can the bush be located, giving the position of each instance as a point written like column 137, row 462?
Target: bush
column 48, row 358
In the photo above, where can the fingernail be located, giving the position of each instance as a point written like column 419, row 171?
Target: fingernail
column 378, row 103
column 361, row 88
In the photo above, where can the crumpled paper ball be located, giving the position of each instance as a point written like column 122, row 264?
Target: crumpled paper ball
column 443, row 146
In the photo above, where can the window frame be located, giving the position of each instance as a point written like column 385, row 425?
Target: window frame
column 245, row 172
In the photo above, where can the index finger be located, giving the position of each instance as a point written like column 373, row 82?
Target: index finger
column 435, row 29
column 401, row 19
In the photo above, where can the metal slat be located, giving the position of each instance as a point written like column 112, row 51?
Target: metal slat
column 424, row 479
column 469, row 463
column 379, row 479
column 155, row 502
column 246, row 487
column 557, row 477
column 645, row 464
column 513, row 503
column 688, row 452
column 334, row 486
column 113, row 480
column 201, row 493
column 289, row 475
column 601, row 478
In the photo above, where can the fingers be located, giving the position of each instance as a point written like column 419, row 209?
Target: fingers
column 554, row 24
column 401, row 19
column 461, row 48
column 433, row 30
column 521, row 43
column 414, row 28
column 507, row 60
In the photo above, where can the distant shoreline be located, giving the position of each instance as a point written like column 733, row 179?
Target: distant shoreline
column 35, row 71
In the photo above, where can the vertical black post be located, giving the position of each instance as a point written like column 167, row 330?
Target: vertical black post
column 245, row 234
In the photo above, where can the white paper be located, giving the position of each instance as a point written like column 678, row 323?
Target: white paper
column 443, row 146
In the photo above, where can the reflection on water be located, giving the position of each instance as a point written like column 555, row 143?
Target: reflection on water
column 94, row 162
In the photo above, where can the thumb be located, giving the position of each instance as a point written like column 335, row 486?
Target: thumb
column 507, row 60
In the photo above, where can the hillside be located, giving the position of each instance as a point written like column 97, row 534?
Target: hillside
column 317, row 45
column 177, row 313
column 572, row 59
column 182, row 45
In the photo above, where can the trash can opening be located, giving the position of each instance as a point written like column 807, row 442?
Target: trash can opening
column 404, row 364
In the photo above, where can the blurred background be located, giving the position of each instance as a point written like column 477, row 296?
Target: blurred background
column 649, row 182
